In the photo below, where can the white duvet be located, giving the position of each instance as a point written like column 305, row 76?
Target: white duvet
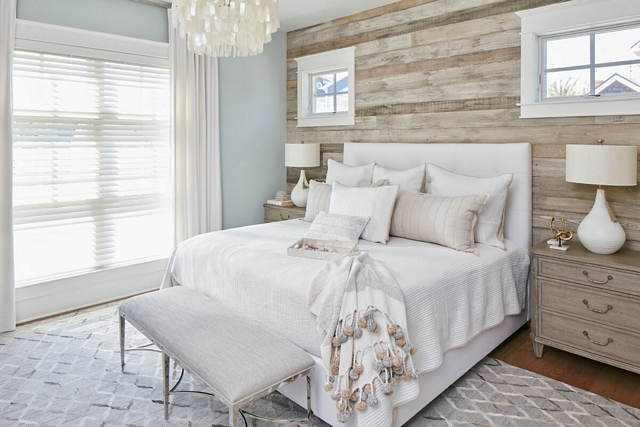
column 449, row 296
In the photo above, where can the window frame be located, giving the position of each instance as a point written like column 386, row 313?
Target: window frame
column 324, row 63
column 56, row 295
column 564, row 20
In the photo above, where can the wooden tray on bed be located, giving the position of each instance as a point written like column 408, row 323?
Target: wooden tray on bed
column 335, row 249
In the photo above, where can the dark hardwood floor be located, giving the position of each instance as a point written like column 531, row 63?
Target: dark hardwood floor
column 608, row 381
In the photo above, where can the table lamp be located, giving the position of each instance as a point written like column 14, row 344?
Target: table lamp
column 301, row 156
column 600, row 232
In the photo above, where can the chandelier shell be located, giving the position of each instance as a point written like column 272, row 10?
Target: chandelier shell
column 226, row 28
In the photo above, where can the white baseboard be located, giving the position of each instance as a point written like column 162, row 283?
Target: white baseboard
column 62, row 295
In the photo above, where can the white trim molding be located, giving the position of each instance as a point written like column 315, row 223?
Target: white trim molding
column 40, row 37
column 57, row 296
column 339, row 59
column 566, row 18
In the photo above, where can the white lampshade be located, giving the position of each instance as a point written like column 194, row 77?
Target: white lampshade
column 302, row 155
column 602, row 164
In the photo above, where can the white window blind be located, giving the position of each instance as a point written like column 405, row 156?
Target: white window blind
column 91, row 164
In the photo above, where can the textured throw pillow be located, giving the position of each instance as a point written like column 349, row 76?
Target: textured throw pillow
column 374, row 202
column 408, row 180
column 320, row 196
column 489, row 229
column 447, row 221
column 345, row 228
column 348, row 175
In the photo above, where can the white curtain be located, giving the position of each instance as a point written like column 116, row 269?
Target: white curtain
column 7, row 283
column 196, row 140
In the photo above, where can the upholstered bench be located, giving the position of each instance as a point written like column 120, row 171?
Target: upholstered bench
column 237, row 359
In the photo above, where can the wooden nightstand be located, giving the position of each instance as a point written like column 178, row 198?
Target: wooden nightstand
column 274, row 213
column 587, row 304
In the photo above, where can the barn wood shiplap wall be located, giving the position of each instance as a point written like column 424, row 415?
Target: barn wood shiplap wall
column 449, row 71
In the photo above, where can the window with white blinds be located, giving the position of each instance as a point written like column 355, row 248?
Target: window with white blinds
column 92, row 166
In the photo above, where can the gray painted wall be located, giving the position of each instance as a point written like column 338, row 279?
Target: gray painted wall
column 253, row 103
column 121, row 17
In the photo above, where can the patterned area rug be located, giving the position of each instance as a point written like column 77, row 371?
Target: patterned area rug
column 66, row 372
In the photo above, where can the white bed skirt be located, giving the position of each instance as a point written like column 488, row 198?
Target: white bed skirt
column 456, row 363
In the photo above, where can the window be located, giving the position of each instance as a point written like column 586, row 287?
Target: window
column 602, row 63
column 330, row 92
column 91, row 164
column 326, row 88
column 581, row 58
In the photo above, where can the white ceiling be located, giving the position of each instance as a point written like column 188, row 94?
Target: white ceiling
column 296, row 14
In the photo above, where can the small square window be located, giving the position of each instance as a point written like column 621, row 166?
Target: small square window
column 326, row 88
column 330, row 92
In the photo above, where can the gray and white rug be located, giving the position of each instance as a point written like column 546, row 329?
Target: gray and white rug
column 65, row 371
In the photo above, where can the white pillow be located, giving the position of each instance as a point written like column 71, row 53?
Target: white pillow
column 489, row 229
column 320, row 196
column 348, row 175
column 408, row 180
column 345, row 228
column 374, row 202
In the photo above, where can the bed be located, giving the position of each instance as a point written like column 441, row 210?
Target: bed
column 248, row 270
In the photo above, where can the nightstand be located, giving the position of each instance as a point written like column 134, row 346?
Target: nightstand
column 587, row 304
column 273, row 213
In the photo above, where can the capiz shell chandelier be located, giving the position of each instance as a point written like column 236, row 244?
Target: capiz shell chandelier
column 226, row 27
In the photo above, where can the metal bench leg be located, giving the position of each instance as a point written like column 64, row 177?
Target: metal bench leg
column 309, row 411
column 122, row 327
column 165, row 374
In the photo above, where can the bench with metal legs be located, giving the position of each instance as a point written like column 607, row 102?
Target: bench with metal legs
column 169, row 336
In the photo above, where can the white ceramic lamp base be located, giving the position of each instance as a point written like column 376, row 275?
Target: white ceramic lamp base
column 300, row 193
column 600, row 232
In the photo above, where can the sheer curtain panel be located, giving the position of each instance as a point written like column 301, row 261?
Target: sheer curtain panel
column 196, row 140
column 7, row 284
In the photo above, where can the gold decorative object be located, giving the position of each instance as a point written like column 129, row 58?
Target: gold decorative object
column 563, row 234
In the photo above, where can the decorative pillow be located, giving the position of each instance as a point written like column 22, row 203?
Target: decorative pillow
column 345, row 228
column 320, row 196
column 350, row 176
column 447, row 221
column 490, row 221
column 408, row 180
column 376, row 203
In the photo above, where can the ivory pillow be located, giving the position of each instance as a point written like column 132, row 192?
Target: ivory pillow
column 348, row 175
column 345, row 228
column 408, row 180
column 490, row 221
column 447, row 221
column 320, row 196
column 374, row 202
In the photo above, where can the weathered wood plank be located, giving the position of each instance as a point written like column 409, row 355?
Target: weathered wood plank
column 498, row 134
column 495, row 103
column 500, row 55
column 443, row 54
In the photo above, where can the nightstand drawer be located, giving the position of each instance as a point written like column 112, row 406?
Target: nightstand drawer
column 277, row 213
column 590, row 304
column 590, row 337
column 603, row 277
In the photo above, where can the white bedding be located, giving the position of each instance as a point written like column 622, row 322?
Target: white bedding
column 450, row 296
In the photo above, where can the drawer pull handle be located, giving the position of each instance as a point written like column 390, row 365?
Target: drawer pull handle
column 283, row 218
column 609, row 308
column 609, row 340
column 586, row 273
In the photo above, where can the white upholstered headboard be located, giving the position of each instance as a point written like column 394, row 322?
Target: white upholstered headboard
column 470, row 159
